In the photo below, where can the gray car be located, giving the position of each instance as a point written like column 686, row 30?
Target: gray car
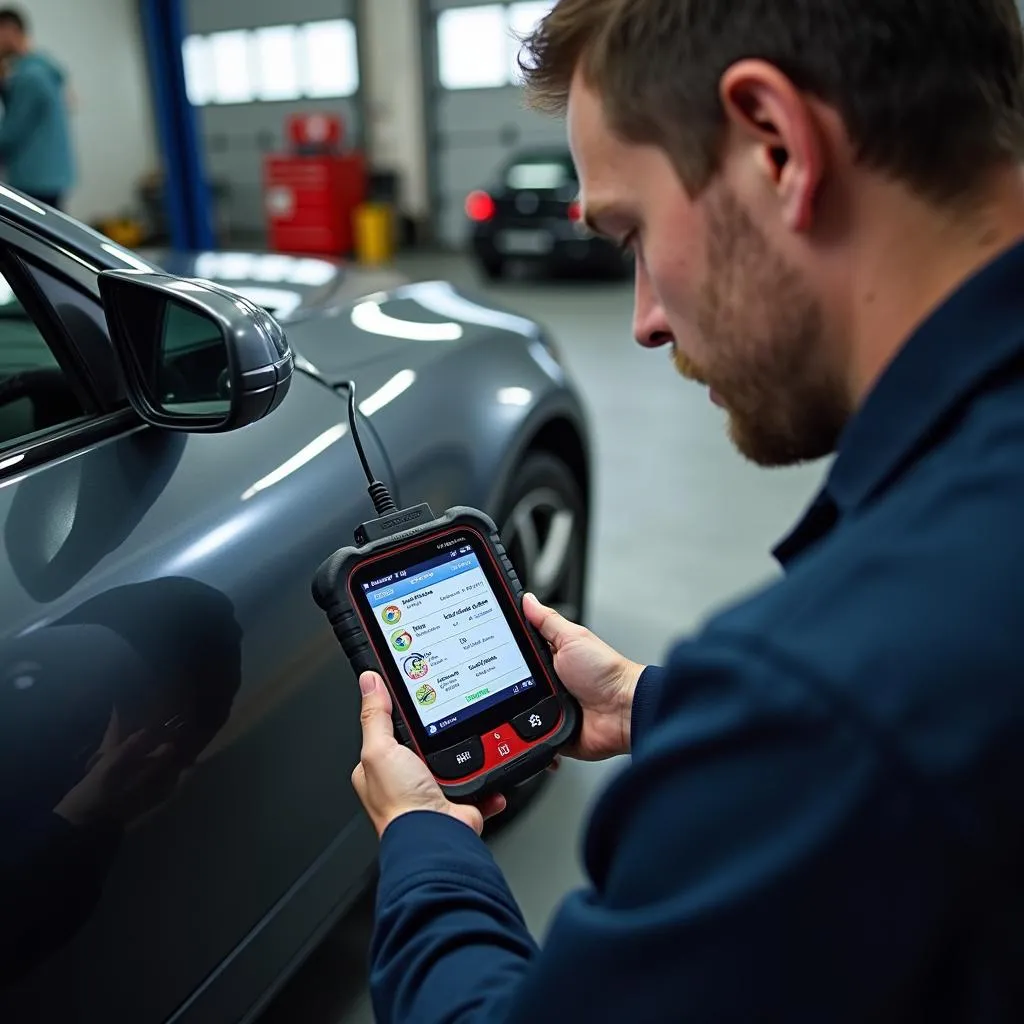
column 177, row 722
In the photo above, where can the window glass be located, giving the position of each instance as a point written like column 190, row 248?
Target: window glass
column 277, row 65
column 198, row 70
column 35, row 394
column 330, row 59
column 232, row 70
column 523, row 18
column 539, row 175
column 472, row 47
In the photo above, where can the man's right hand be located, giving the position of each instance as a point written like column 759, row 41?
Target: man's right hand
column 600, row 678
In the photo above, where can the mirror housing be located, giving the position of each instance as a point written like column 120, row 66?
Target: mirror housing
column 196, row 357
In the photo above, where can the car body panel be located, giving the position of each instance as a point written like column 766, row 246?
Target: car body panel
column 165, row 578
column 290, row 727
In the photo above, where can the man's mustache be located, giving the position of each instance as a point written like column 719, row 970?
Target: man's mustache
column 687, row 367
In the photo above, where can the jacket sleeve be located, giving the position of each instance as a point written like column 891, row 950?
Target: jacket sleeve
column 25, row 103
column 753, row 812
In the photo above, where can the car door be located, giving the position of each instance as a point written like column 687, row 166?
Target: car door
column 177, row 725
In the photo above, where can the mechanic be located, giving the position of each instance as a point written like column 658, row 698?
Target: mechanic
column 35, row 136
column 823, row 816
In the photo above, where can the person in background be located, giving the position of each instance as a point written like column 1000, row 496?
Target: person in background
column 36, row 150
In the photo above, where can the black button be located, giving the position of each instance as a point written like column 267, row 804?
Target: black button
column 538, row 721
column 457, row 762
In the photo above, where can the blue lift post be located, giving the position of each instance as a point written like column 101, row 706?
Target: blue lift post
column 186, row 189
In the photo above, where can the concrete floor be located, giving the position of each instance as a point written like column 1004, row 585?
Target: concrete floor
column 682, row 525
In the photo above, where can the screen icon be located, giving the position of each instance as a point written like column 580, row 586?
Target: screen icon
column 426, row 695
column 392, row 615
column 401, row 640
column 416, row 667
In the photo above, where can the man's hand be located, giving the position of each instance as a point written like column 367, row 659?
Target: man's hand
column 391, row 780
column 600, row 678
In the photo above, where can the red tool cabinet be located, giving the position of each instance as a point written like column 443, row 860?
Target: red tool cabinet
column 312, row 194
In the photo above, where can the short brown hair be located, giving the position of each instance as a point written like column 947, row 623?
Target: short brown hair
column 931, row 91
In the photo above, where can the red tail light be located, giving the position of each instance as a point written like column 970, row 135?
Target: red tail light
column 479, row 206
column 575, row 212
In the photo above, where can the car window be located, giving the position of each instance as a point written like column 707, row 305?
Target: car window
column 540, row 174
column 35, row 393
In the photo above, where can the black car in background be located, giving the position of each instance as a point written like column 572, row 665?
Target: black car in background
column 531, row 213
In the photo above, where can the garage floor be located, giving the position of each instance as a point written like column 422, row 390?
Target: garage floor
column 682, row 525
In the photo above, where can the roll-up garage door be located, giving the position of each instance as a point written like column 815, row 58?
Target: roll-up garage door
column 476, row 110
column 248, row 67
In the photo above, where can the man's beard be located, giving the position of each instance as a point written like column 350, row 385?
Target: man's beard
column 766, row 337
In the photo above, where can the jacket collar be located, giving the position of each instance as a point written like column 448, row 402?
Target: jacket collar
column 964, row 342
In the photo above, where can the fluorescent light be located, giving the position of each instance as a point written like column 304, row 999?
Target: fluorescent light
column 17, row 198
column 281, row 301
column 316, row 447
column 369, row 317
column 129, row 258
column 441, row 298
column 398, row 385
column 515, row 396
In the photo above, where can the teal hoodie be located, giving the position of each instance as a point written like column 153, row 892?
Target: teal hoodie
column 35, row 137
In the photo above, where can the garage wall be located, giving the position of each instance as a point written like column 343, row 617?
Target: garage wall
column 100, row 45
column 473, row 130
column 236, row 137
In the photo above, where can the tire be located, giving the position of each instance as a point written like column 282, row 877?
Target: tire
column 492, row 267
column 544, row 505
column 544, row 524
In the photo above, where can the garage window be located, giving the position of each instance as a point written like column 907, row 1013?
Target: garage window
column 232, row 74
column 315, row 60
column 277, row 64
column 331, row 59
column 478, row 47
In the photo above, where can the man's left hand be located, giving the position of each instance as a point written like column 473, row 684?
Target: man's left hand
column 391, row 780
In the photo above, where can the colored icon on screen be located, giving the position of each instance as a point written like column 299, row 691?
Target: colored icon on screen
column 426, row 695
column 392, row 615
column 416, row 667
column 401, row 640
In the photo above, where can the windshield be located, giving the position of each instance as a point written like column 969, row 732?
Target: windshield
column 540, row 174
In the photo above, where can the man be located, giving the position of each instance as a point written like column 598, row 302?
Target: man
column 35, row 137
column 823, row 820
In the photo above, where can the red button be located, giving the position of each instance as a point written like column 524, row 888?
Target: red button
column 501, row 745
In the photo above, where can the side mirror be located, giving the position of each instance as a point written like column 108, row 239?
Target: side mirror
column 196, row 357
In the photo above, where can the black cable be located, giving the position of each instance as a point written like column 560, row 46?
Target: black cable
column 354, row 426
column 383, row 503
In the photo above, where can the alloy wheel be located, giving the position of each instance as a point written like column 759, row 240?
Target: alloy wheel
column 540, row 534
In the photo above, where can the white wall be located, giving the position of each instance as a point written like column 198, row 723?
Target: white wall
column 393, row 81
column 99, row 43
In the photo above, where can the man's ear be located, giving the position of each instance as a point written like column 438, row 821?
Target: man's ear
column 775, row 122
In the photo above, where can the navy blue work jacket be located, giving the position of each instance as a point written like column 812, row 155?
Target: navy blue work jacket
column 823, row 818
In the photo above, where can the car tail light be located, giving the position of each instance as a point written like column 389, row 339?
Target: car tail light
column 479, row 206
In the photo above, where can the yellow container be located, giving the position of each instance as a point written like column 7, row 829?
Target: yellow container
column 375, row 233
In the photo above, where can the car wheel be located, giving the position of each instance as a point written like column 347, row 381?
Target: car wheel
column 493, row 267
column 543, row 526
